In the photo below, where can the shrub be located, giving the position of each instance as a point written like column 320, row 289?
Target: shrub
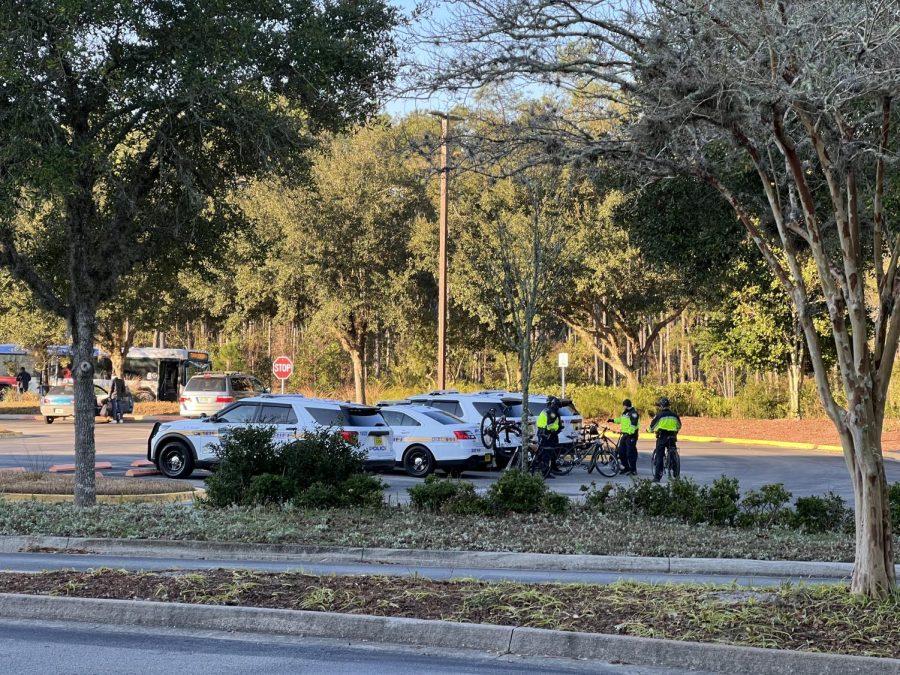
column 761, row 400
column 466, row 502
column 435, row 492
column 319, row 470
column 765, row 507
column 719, row 502
column 821, row 514
column 518, row 492
column 685, row 500
column 597, row 499
column 556, row 504
column 894, row 498
column 645, row 496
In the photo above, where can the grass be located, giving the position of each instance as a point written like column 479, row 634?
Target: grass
column 580, row 532
column 23, row 406
column 155, row 408
column 32, row 482
column 820, row 618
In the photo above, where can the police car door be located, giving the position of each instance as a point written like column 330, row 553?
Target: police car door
column 236, row 415
column 282, row 417
column 404, row 429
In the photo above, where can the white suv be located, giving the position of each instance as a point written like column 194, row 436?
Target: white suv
column 471, row 407
column 177, row 448
column 426, row 439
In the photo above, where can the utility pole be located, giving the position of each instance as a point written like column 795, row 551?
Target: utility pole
column 442, row 262
column 442, row 253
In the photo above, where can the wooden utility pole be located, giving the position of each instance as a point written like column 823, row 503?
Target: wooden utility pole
column 442, row 262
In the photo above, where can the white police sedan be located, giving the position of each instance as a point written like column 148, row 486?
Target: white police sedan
column 426, row 439
column 177, row 448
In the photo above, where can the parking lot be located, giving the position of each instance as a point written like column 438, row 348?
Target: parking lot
column 803, row 472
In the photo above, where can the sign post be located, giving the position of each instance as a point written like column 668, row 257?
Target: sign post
column 563, row 364
column 282, row 368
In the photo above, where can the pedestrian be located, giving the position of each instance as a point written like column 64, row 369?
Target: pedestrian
column 549, row 424
column 67, row 371
column 666, row 426
column 628, row 423
column 117, row 392
column 23, row 379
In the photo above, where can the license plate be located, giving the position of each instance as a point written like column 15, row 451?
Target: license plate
column 59, row 410
column 377, row 440
column 205, row 399
column 488, row 458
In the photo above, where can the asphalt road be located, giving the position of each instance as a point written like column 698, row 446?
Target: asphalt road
column 804, row 472
column 37, row 562
column 49, row 648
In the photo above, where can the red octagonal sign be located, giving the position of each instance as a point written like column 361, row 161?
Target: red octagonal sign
column 282, row 367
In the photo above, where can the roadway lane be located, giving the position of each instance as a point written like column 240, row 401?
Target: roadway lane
column 804, row 472
column 50, row 648
column 38, row 562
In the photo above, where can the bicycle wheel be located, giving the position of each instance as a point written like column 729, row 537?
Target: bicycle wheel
column 567, row 460
column 489, row 431
column 605, row 460
column 674, row 463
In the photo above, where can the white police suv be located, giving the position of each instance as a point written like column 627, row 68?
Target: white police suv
column 471, row 407
column 177, row 448
column 426, row 439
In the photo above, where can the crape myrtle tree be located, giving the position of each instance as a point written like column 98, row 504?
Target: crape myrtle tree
column 125, row 123
column 804, row 95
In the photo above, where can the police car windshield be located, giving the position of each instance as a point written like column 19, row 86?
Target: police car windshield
column 483, row 408
column 443, row 417
column 64, row 390
column 206, row 384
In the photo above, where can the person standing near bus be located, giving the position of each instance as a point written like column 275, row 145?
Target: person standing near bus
column 23, row 379
column 117, row 392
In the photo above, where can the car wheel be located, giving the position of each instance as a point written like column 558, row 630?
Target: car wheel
column 418, row 461
column 49, row 420
column 175, row 460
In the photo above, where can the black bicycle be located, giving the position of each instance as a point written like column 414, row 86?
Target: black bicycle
column 493, row 428
column 592, row 449
column 671, row 459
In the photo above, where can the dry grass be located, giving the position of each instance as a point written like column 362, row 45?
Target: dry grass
column 60, row 484
column 155, row 408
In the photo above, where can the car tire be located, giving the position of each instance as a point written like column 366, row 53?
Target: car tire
column 48, row 419
column 175, row 460
column 418, row 461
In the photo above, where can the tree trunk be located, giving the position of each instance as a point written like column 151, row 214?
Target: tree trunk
column 873, row 570
column 359, row 375
column 795, row 384
column 82, row 325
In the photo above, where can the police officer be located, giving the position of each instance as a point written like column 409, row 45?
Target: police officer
column 666, row 426
column 549, row 424
column 628, row 425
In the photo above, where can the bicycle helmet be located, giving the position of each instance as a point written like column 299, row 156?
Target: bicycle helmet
column 663, row 402
column 627, row 403
column 553, row 403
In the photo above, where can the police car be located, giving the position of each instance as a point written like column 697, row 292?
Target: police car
column 177, row 448
column 472, row 407
column 426, row 439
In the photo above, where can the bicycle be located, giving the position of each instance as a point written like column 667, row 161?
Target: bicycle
column 492, row 427
column 671, row 459
column 579, row 453
column 593, row 443
column 605, row 455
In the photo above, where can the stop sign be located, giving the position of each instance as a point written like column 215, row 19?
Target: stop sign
column 282, row 367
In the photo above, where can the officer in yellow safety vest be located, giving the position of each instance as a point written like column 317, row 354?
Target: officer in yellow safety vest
column 628, row 425
column 666, row 426
column 549, row 425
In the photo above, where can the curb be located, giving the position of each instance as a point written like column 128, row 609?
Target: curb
column 150, row 498
column 166, row 548
column 439, row 634
column 764, row 442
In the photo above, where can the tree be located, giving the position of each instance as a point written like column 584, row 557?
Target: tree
column 629, row 294
column 350, row 235
column 124, row 124
column 800, row 93
column 518, row 261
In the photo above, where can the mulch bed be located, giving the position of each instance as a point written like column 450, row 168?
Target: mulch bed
column 36, row 482
column 826, row 618
column 818, row 431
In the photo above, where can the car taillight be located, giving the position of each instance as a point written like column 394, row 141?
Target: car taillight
column 350, row 436
column 182, row 399
column 464, row 435
column 224, row 399
column 45, row 401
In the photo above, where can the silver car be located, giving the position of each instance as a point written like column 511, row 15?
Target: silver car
column 208, row 393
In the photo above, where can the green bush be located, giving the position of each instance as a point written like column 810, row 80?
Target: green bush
column 719, row 502
column 467, row 503
column 761, row 400
column 821, row 514
column 766, row 507
column 894, row 498
column 319, row 470
column 518, row 492
column 597, row 499
column 434, row 492
column 684, row 500
column 556, row 504
column 688, row 399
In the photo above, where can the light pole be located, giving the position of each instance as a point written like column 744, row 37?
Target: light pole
column 442, row 254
